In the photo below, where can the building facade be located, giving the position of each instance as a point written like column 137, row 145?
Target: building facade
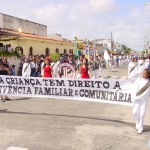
column 31, row 38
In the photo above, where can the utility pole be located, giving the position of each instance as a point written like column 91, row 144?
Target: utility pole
column 111, row 45
column 146, row 35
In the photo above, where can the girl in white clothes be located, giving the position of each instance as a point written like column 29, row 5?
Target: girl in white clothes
column 26, row 70
column 141, row 99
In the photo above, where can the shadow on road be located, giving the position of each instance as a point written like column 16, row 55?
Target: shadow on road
column 23, row 98
column 146, row 127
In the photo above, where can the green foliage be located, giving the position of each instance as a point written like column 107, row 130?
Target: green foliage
column 127, row 51
column 5, row 53
column 54, row 57
column 144, row 51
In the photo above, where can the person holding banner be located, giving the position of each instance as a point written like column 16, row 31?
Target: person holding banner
column 4, row 70
column 142, row 90
column 84, row 69
column 47, row 69
column 26, row 70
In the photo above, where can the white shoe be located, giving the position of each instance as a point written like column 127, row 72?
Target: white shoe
column 136, row 127
column 140, row 131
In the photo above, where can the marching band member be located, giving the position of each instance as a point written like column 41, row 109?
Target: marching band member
column 102, row 68
column 133, row 69
column 92, row 66
column 96, row 67
column 141, row 66
column 142, row 90
column 84, row 69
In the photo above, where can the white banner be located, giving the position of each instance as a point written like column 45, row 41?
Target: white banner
column 107, row 91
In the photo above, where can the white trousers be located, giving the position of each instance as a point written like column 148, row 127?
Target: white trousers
column 102, row 72
column 139, row 110
column 95, row 74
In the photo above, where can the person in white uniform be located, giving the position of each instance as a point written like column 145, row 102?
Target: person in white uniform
column 26, row 70
column 141, row 65
column 142, row 92
column 147, row 62
column 133, row 69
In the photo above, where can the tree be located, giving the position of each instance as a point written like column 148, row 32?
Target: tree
column 127, row 51
column 54, row 57
column 14, row 53
column 145, row 51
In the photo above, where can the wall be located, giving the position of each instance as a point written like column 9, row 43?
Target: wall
column 14, row 23
column 39, row 46
column 1, row 20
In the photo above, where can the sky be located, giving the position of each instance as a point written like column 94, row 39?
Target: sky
column 128, row 20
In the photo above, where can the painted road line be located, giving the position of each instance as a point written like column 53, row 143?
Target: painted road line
column 16, row 148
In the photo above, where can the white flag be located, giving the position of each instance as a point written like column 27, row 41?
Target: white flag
column 106, row 56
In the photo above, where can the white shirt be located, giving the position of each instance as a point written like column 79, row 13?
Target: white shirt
column 139, row 84
column 147, row 62
column 32, row 64
column 135, row 72
column 26, row 70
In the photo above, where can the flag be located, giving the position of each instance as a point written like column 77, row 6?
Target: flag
column 94, row 50
column 106, row 56
column 87, row 50
column 79, row 47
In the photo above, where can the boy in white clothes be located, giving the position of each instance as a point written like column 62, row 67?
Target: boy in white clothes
column 133, row 69
column 141, row 65
column 26, row 70
column 142, row 91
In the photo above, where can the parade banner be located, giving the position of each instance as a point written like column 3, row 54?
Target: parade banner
column 106, row 90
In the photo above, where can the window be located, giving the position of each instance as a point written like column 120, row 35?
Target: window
column 71, row 51
column 30, row 51
column 65, row 51
column 19, row 48
column 57, row 50
column 47, row 52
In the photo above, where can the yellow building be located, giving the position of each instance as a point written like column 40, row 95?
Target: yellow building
column 30, row 44
column 30, row 37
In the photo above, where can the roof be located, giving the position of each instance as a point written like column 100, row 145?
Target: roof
column 4, row 33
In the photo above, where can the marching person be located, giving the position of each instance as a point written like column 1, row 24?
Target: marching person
column 26, row 70
column 96, row 67
column 102, row 67
column 133, row 69
column 84, row 69
column 112, row 63
column 142, row 90
column 92, row 66
column 141, row 65
column 47, row 70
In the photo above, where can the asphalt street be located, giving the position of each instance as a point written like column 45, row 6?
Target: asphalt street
column 56, row 124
